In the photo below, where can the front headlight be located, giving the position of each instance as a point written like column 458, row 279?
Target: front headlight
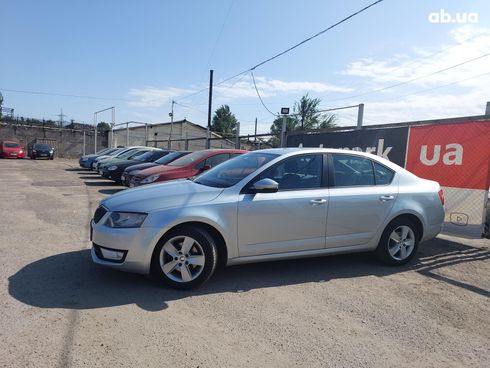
column 150, row 179
column 112, row 168
column 125, row 219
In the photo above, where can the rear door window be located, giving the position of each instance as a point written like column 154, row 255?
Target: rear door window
column 350, row 171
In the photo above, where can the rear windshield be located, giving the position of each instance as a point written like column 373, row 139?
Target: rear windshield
column 11, row 145
column 42, row 146
column 189, row 159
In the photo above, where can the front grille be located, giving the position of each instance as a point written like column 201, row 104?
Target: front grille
column 99, row 213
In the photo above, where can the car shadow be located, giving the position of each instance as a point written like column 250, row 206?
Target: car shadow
column 71, row 280
column 104, row 183
column 93, row 176
column 110, row 191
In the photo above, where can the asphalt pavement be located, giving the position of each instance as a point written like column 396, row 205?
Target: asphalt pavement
column 58, row 309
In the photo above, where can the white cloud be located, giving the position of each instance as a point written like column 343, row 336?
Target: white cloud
column 155, row 97
column 469, row 42
column 460, row 91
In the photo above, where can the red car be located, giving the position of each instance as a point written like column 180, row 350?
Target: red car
column 11, row 149
column 184, row 167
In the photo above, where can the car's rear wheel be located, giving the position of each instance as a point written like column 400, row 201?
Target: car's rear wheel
column 185, row 258
column 399, row 242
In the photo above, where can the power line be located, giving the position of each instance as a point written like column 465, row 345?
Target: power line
column 433, row 88
column 289, row 49
column 316, row 35
column 64, row 95
column 412, row 80
column 258, row 94
column 404, row 66
column 220, row 32
column 189, row 107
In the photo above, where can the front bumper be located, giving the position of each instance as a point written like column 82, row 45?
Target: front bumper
column 12, row 154
column 135, row 244
column 112, row 175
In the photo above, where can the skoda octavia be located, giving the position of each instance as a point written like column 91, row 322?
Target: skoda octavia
column 267, row 205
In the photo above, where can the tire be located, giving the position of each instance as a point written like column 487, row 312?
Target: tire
column 33, row 158
column 399, row 242
column 171, row 263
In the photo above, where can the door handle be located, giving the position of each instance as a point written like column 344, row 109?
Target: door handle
column 316, row 202
column 385, row 198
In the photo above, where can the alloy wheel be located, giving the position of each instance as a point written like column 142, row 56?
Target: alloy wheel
column 401, row 242
column 182, row 259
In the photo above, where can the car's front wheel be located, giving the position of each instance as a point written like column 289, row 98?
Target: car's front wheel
column 399, row 242
column 185, row 258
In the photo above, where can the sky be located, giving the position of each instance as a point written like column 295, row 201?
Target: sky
column 402, row 59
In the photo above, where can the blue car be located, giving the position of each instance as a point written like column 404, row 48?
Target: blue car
column 87, row 160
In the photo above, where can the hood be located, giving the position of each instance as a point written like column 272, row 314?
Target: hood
column 161, row 169
column 90, row 156
column 153, row 197
column 139, row 167
column 103, row 157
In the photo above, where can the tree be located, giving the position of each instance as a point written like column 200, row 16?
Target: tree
column 103, row 126
column 224, row 121
column 306, row 116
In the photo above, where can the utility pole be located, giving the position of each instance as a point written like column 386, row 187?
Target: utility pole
column 255, row 135
column 171, row 114
column 61, row 116
column 210, row 103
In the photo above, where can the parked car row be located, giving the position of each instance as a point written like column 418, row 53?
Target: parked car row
column 261, row 206
column 12, row 149
column 135, row 166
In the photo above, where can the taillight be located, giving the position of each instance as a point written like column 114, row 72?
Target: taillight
column 441, row 196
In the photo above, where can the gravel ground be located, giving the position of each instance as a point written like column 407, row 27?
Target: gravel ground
column 57, row 309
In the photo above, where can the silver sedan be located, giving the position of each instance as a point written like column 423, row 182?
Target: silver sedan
column 267, row 205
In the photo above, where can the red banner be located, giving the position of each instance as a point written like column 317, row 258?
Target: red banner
column 455, row 155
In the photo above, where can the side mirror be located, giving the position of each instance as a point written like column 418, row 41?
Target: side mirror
column 206, row 167
column 264, row 186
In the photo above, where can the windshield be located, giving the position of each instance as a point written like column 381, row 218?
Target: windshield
column 131, row 154
column 115, row 152
column 189, row 159
column 142, row 156
column 232, row 171
column 126, row 153
column 105, row 150
column 42, row 146
column 170, row 157
column 12, row 145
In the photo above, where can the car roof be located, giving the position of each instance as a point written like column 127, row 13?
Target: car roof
column 291, row 151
